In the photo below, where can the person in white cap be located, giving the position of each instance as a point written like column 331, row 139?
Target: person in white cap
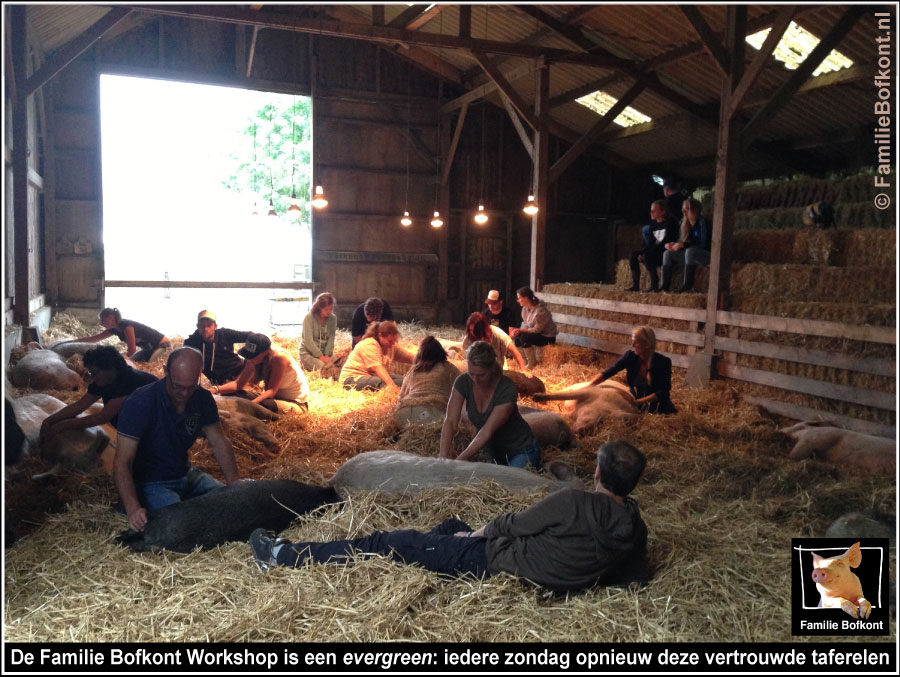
column 220, row 363
column 497, row 314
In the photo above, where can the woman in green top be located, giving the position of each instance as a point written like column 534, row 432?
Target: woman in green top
column 490, row 401
column 319, row 327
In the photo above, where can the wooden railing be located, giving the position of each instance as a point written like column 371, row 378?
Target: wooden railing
column 731, row 347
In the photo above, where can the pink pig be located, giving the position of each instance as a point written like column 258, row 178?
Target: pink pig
column 838, row 585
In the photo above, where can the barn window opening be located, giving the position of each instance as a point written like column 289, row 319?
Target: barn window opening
column 795, row 45
column 184, row 166
column 601, row 102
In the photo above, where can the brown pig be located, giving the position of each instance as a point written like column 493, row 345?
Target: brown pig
column 839, row 586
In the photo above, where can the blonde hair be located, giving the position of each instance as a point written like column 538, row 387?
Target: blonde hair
column 645, row 335
column 685, row 222
column 481, row 354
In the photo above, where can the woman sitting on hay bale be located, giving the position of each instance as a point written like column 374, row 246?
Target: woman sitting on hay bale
column 367, row 366
column 284, row 383
column 538, row 327
column 490, row 401
column 426, row 387
column 478, row 329
column 319, row 329
column 648, row 373
column 692, row 248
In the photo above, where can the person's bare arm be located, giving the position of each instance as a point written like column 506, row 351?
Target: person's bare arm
column 130, row 341
column 123, row 479
column 223, row 451
column 498, row 417
column 382, row 373
column 239, row 384
column 48, row 427
column 451, row 423
column 279, row 368
column 105, row 415
column 92, row 339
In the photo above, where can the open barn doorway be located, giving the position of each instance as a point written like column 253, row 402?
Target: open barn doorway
column 197, row 187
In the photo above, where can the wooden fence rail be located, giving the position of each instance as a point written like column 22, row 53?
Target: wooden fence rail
column 732, row 346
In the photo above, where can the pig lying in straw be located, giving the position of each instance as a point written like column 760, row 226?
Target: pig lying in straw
column 76, row 449
column 249, row 417
column 227, row 514
column 845, row 448
column 589, row 405
column 840, row 587
column 399, row 472
column 44, row 370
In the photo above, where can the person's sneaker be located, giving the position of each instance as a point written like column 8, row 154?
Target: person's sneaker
column 262, row 543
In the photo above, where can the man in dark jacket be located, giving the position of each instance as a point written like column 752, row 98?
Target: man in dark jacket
column 220, row 363
column 498, row 313
column 662, row 230
column 570, row 540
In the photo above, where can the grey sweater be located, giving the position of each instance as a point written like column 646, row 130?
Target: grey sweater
column 570, row 540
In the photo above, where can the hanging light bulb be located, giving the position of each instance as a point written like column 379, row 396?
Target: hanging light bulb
column 530, row 207
column 481, row 216
column 294, row 210
column 436, row 222
column 319, row 200
column 406, row 221
column 272, row 212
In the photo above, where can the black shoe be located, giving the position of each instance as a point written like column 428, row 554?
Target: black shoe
column 633, row 289
column 262, row 543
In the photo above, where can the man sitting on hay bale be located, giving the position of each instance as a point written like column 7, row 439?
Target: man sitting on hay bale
column 570, row 540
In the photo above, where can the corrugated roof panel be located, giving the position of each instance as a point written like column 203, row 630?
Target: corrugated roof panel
column 55, row 25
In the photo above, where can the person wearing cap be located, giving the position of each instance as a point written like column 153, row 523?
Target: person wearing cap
column 371, row 310
column 220, row 363
column 157, row 425
column 497, row 313
column 284, row 383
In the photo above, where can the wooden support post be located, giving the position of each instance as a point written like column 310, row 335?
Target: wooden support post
column 465, row 21
column 313, row 110
column 541, row 174
column 20, row 165
column 443, row 132
column 727, row 157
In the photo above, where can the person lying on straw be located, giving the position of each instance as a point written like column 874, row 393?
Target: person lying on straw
column 570, row 540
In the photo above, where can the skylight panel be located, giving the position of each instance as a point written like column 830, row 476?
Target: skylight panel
column 795, row 46
column 601, row 102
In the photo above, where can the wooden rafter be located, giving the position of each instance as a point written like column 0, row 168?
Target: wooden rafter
column 425, row 17
column 517, row 123
column 407, row 15
column 362, row 31
column 803, row 72
column 252, row 50
column 510, row 93
column 582, row 144
column 710, row 40
column 465, row 21
column 782, row 21
column 448, row 163
column 66, row 54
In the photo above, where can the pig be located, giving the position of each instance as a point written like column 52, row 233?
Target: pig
column 860, row 525
column 44, row 370
column 549, row 429
column 66, row 348
column 227, row 514
column 591, row 405
column 249, row 417
column 525, row 385
column 399, row 472
column 76, row 449
column 839, row 586
column 849, row 449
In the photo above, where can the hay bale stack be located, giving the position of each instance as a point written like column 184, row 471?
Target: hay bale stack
column 814, row 283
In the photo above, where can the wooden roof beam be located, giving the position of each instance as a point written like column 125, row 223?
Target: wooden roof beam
column 710, row 40
column 801, row 74
column 363, row 31
column 70, row 51
column 425, row 17
column 402, row 20
column 510, row 93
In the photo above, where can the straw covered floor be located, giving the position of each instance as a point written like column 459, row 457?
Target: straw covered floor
column 720, row 498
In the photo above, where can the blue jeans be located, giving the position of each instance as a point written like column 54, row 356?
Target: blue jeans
column 369, row 382
column 530, row 455
column 157, row 495
column 438, row 550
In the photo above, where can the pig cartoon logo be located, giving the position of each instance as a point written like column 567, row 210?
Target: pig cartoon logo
column 838, row 586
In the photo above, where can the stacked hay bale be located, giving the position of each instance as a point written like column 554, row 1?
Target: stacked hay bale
column 780, row 268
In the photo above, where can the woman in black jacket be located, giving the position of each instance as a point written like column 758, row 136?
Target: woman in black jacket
column 648, row 373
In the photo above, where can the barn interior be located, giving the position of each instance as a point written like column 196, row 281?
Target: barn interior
column 440, row 108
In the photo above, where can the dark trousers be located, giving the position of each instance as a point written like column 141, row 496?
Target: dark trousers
column 438, row 550
column 653, row 258
column 527, row 340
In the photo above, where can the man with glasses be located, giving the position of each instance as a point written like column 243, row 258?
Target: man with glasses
column 111, row 379
column 158, row 424
column 497, row 314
